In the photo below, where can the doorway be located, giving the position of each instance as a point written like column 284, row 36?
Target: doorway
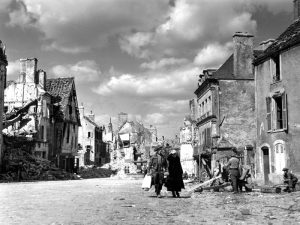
column 266, row 163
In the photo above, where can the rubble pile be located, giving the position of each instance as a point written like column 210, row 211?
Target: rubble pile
column 119, row 166
column 31, row 168
column 21, row 165
column 94, row 172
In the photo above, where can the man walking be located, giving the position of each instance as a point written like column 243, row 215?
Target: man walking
column 233, row 166
column 157, row 166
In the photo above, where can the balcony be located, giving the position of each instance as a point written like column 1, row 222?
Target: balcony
column 205, row 117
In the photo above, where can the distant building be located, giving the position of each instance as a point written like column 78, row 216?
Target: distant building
column 3, row 65
column 278, row 104
column 90, row 141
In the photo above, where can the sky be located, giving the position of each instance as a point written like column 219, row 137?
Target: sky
column 142, row 57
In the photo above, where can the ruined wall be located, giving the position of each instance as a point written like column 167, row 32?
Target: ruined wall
column 70, row 132
column 290, row 139
column 237, row 105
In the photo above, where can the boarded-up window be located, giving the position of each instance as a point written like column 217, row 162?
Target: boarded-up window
column 268, row 102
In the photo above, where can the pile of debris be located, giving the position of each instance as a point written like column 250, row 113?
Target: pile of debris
column 94, row 172
column 31, row 168
column 19, row 164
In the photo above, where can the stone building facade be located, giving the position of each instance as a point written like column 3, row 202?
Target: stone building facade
column 278, row 104
column 31, row 86
column 90, row 141
column 224, row 109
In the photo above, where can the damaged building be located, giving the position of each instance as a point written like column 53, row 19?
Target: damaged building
column 51, row 118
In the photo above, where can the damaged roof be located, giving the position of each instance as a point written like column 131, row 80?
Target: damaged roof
column 61, row 89
column 289, row 38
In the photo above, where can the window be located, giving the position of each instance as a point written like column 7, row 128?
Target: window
column 279, row 156
column 277, row 115
column 42, row 132
column 276, row 68
column 70, row 109
column 5, row 109
column 68, row 133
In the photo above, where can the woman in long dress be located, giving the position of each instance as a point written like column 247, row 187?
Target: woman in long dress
column 174, row 181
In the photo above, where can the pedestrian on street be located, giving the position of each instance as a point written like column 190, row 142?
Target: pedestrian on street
column 174, row 181
column 290, row 179
column 233, row 166
column 157, row 167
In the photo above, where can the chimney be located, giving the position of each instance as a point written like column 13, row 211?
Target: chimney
column 91, row 116
column 41, row 78
column 242, row 55
column 265, row 44
column 28, row 69
column 81, row 111
column 296, row 9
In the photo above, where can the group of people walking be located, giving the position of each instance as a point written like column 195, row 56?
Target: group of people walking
column 166, row 170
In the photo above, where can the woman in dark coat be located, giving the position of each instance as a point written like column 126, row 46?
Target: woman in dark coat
column 174, row 181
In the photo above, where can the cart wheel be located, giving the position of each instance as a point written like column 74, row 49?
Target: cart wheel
column 200, row 189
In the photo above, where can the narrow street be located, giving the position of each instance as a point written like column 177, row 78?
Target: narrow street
column 112, row 201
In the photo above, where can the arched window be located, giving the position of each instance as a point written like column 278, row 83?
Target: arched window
column 279, row 156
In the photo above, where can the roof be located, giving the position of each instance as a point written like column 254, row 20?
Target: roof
column 226, row 70
column 90, row 121
column 61, row 89
column 289, row 38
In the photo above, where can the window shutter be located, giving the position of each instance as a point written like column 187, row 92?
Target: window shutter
column 268, row 102
column 284, row 111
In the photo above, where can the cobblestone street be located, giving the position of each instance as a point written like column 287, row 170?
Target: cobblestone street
column 111, row 201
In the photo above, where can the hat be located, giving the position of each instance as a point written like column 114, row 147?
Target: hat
column 173, row 152
column 285, row 169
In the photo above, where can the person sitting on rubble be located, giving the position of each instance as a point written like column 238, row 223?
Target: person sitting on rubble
column 289, row 179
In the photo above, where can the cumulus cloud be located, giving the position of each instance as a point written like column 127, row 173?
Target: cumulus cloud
column 13, row 70
column 155, row 118
column 213, row 55
column 83, row 71
column 88, row 23
column 21, row 16
column 164, row 63
column 136, row 44
column 176, row 83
